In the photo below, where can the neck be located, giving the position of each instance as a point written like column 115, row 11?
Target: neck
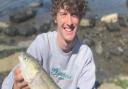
column 66, row 46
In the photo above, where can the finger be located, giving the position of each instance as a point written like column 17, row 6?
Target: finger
column 17, row 71
column 17, row 76
column 22, row 85
column 27, row 87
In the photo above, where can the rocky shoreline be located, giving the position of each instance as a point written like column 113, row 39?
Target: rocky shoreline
column 108, row 39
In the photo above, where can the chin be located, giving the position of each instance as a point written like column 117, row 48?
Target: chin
column 69, row 39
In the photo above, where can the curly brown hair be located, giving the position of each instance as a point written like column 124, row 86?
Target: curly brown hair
column 78, row 7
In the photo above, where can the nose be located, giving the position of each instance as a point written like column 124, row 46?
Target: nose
column 69, row 20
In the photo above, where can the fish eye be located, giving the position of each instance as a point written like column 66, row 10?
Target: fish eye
column 25, row 58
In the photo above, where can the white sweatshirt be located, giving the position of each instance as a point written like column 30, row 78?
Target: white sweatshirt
column 72, row 70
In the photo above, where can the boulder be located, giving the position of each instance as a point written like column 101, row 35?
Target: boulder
column 36, row 4
column 111, row 18
column 89, row 41
column 127, row 3
column 87, row 22
column 26, row 30
column 44, row 28
column 3, row 24
column 123, row 21
column 10, row 31
column 22, row 15
column 113, row 27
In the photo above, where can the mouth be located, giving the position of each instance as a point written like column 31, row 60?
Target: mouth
column 69, row 28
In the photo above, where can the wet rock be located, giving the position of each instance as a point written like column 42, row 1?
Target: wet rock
column 44, row 28
column 22, row 15
column 7, row 42
column 10, row 31
column 26, row 31
column 127, row 3
column 36, row 4
column 123, row 21
column 6, row 50
column 113, row 27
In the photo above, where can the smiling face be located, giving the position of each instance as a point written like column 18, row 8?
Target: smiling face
column 66, row 15
column 67, row 25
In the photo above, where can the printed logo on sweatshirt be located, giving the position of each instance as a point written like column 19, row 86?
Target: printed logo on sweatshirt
column 59, row 74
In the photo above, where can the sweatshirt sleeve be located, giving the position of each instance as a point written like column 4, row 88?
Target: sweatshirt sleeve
column 87, row 77
column 8, row 81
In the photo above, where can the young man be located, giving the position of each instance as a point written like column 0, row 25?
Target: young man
column 69, row 62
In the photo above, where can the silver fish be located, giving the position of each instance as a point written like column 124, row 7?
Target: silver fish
column 34, row 74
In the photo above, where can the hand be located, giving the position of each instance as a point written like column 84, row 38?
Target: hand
column 19, row 82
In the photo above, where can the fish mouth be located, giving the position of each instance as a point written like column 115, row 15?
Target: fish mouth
column 21, row 60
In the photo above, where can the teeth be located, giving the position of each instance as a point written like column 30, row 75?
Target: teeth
column 67, row 29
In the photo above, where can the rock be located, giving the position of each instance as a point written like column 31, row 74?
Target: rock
column 123, row 21
column 6, row 50
column 7, row 63
column 11, row 31
column 117, row 51
column 7, row 42
column 26, row 30
column 90, row 42
column 107, row 55
column 22, row 15
column 4, row 24
column 36, row 4
column 120, row 49
column 44, row 28
column 87, row 22
column 127, row 3
column 126, row 52
column 123, row 77
column 113, row 27
column 99, row 48
column 109, row 86
column 100, row 26
column 1, row 30
column 111, row 18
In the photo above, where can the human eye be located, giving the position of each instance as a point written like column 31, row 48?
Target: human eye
column 63, row 14
column 75, row 15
